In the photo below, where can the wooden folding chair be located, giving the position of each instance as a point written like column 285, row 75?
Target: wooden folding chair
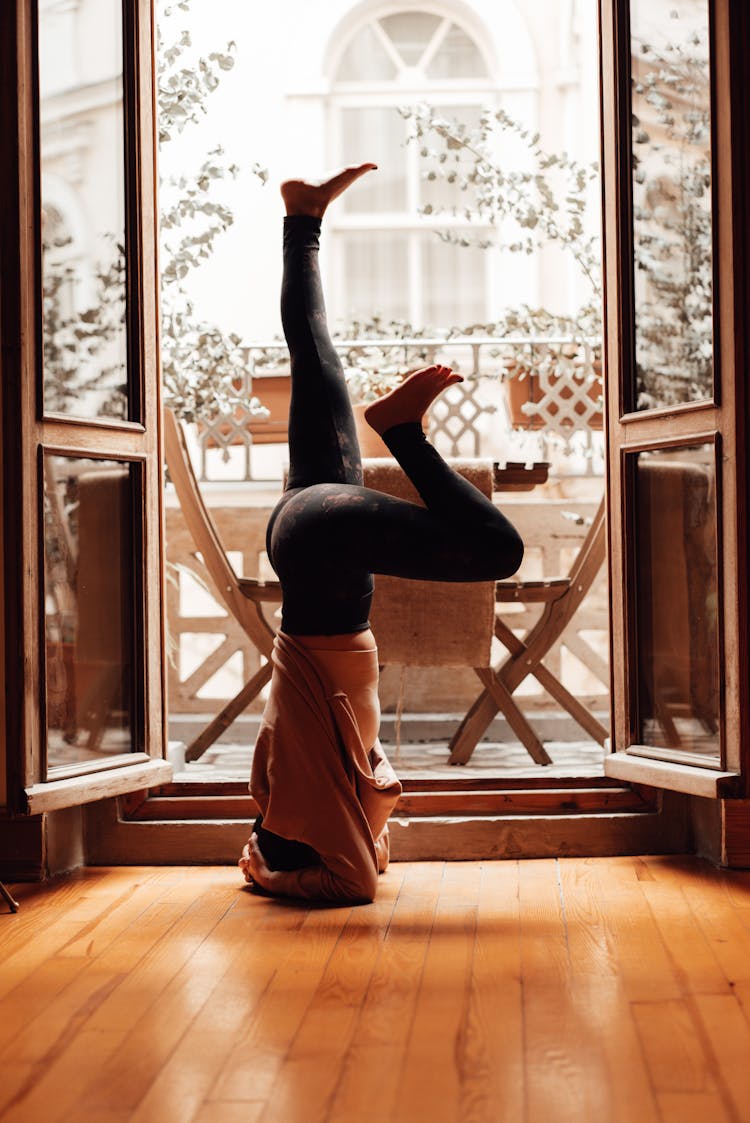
column 561, row 597
column 442, row 624
column 243, row 597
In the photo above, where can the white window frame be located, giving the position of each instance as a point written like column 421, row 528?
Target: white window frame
column 407, row 88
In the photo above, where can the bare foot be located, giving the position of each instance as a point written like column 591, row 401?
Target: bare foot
column 411, row 399
column 313, row 198
column 244, row 863
column 257, row 874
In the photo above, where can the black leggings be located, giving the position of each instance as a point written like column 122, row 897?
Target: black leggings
column 328, row 534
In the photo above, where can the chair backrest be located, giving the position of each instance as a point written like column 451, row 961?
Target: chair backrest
column 198, row 519
column 104, row 606
column 431, row 623
column 590, row 556
column 558, row 614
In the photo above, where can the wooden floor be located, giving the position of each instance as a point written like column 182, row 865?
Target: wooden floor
column 535, row 991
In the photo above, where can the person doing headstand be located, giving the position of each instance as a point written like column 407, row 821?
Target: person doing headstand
column 319, row 775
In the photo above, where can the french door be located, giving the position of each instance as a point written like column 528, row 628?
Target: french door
column 674, row 138
column 81, row 422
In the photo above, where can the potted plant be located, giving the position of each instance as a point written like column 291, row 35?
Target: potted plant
column 538, row 369
column 204, row 367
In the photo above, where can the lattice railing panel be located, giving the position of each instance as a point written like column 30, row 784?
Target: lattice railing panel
column 567, row 391
column 472, row 419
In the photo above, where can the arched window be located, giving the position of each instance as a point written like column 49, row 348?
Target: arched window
column 389, row 259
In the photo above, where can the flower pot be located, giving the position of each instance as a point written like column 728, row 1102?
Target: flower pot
column 522, row 390
column 273, row 392
column 371, row 444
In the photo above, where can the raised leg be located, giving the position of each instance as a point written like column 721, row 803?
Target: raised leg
column 323, row 445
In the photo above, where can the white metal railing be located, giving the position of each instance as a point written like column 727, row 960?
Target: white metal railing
column 560, row 418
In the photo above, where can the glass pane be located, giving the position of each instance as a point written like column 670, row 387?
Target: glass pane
column 83, row 211
column 376, row 134
column 89, row 608
column 458, row 57
column 672, row 228
column 410, row 33
column 376, row 280
column 454, row 284
column 366, row 58
column 677, row 599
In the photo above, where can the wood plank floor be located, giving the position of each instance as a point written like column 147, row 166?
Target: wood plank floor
column 536, row 991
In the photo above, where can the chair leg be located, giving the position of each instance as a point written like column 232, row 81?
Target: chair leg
column 483, row 709
column 11, row 901
column 232, row 710
column 509, row 671
column 502, row 697
column 474, row 724
column 577, row 711
column 497, row 696
column 462, row 747
column 97, row 706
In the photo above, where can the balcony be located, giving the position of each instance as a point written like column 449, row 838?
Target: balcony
column 523, row 400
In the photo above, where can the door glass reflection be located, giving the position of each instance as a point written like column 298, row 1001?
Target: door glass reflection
column 677, row 600
column 82, row 169
column 672, row 229
column 89, row 608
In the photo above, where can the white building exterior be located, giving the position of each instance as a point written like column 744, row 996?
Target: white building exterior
column 319, row 84
column 316, row 85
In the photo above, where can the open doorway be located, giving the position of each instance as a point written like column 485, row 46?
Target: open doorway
column 476, row 245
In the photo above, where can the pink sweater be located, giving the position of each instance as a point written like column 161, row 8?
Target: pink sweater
column 316, row 782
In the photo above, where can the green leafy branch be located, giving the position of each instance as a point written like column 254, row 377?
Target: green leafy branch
column 203, row 367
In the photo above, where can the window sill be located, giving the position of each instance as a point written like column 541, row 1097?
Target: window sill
column 101, row 785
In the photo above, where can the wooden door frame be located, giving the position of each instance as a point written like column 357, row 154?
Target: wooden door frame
column 726, row 415
column 679, row 820
column 27, row 431
column 19, row 325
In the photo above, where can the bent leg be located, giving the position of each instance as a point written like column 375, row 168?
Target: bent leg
column 461, row 536
column 323, row 445
column 327, row 541
column 367, row 531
